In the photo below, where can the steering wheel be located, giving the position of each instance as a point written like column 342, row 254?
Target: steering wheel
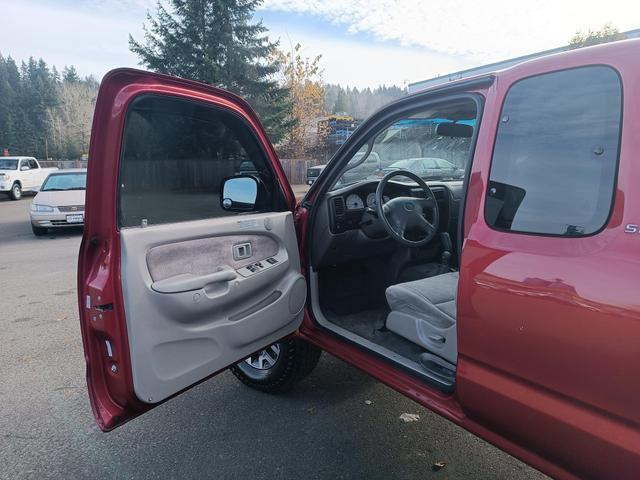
column 402, row 215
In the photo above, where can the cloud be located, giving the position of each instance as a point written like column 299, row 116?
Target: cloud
column 363, row 42
column 486, row 31
column 360, row 64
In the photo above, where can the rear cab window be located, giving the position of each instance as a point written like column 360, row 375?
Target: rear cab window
column 175, row 156
column 555, row 158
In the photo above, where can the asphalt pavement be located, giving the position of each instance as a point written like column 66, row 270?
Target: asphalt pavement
column 338, row 423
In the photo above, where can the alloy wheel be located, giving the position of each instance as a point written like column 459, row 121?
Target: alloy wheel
column 265, row 359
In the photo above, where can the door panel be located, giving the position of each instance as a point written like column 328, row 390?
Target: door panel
column 178, row 338
column 26, row 176
column 169, row 293
column 548, row 316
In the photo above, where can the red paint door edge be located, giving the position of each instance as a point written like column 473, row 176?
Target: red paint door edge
column 100, row 304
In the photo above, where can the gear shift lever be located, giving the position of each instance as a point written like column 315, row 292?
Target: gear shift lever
column 447, row 246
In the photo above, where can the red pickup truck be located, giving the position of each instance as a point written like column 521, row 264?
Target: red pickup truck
column 501, row 293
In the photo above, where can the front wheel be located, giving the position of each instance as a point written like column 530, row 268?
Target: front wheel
column 16, row 192
column 278, row 367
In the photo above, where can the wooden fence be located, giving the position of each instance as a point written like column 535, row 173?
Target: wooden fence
column 62, row 164
column 296, row 169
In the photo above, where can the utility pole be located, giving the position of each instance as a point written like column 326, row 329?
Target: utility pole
column 46, row 148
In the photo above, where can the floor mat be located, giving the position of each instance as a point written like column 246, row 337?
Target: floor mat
column 370, row 325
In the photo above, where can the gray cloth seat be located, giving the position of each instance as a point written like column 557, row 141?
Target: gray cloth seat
column 424, row 312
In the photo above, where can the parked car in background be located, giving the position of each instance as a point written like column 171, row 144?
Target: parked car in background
column 246, row 168
column 60, row 201
column 427, row 168
column 358, row 168
column 313, row 173
column 21, row 174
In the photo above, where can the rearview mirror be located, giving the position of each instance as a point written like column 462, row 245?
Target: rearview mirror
column 24, row 168
column 239, row 194
column 454, row 130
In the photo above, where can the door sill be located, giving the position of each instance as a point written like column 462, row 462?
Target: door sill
column 433, row 373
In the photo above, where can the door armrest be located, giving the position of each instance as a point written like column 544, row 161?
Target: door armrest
column 187, row 282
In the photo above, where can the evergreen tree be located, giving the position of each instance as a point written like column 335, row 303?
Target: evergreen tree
column 37, row 98
column 216, row 42
column 41, row 115
column 7, row 103
column 360, row 104
column 341, row 105
column 608, row 33
column 70, row 75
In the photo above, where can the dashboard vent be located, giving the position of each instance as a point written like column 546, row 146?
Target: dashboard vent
column 438, row 193
column 338, row 206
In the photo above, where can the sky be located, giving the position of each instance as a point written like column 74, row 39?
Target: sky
column 364, row 43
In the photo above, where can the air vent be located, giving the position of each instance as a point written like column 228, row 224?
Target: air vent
column 338, row 206
column 438, row 193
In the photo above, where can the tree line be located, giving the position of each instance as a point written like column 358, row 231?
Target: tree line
column 360, row 103
column 44, row 112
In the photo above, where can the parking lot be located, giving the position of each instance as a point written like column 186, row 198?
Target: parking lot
column 338, row 423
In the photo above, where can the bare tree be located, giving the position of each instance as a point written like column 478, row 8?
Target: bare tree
column 72, row 117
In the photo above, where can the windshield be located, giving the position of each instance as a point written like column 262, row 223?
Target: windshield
column 65, row 181
column 434, row 144
column 6, row 164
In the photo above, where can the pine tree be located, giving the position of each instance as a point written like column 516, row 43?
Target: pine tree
column 70, row 75
column 42, row 115
column 7, row 101
column 217, row 42
column 37, row 98
column 341, row 105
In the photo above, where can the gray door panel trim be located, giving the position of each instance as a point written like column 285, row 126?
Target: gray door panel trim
column 216, row 317
column 186, row 282
column 174, row 258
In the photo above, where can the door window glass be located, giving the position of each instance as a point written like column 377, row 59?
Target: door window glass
column 175, row 157
column 555, row 158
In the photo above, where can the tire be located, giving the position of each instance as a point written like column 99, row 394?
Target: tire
column 39, row 231
column 16, row 192
column 295, row 360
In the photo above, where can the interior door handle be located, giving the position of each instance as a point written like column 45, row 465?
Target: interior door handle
column 186, row 281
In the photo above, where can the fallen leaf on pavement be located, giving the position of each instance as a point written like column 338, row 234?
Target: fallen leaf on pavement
column 438, row 465
column 409, row 417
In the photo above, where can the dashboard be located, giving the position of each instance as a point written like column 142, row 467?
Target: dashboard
column 355, row 201
column 354, row 230
column 349, row 206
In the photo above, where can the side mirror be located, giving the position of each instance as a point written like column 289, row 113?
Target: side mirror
column 24, row 168
column 239, row 194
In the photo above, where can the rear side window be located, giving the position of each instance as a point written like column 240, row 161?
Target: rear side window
column 175, row 156
column 556, row 153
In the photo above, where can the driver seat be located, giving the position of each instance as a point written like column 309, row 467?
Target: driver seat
column 424, row 312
